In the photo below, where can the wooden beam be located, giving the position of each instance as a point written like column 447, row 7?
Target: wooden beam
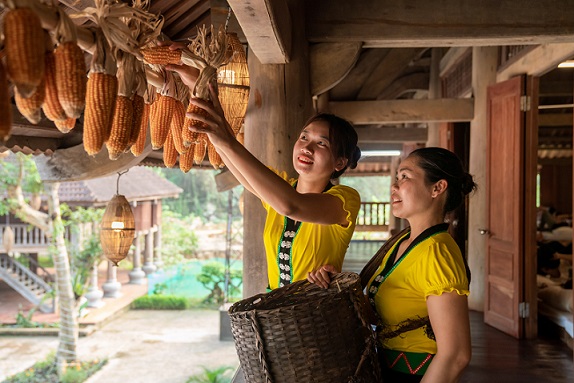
column 440, row 23
column 555, row 119
column 330, row 63
column 538, row 61
column 31, row 145
column 383, row 135
column 404, row 111
column 267, row 28
column 74, row 164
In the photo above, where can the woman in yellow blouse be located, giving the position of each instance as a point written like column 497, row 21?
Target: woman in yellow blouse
column 310, row 221
column 420, row 288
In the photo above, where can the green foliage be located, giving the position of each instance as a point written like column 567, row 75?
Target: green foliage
column 371, row 189
column 18, row 169
column 212, row 277
column 160, row 302
column 82, row 263
column 218, row 375
column 159, row 288
column 179, row 242
column 46, row 371
column 200, row 197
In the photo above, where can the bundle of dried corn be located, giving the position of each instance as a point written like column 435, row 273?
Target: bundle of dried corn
column 71, row 71
column 200, row 148
column 24, row 48
column 5, row 108
column 122, row 122
column 102, row 90
column 117, row 19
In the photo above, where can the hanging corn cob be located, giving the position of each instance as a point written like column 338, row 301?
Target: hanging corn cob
column 71, row 72
column 66, row 125
column 138, row 103
column 122, row 123
column 186, row 160
column 101, row 93
column 51, row 106
column 31, row 107
column 179, row 115
column 24, row 47
column 200, row 148
column 5, row 106
column 163, row 110
column 169, row 152
column 149, row 97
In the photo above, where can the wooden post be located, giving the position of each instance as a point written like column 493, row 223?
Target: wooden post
column 137, row 276
column 279, row 104
column 148, row 267
column 484, row 65
column 433, row 137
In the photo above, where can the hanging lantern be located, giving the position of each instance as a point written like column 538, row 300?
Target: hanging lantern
column 8, row 239
column 233, row 84
column 118, row 229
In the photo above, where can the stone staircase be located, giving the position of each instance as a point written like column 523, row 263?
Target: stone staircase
column 26, row 283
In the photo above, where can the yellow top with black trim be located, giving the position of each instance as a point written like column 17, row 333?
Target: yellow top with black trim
column 314, row 245
column 434, row 265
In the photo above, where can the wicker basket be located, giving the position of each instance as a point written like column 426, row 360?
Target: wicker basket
column 304, row 333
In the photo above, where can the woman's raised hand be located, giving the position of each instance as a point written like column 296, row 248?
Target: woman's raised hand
column 322, row 276
column 216, row 126
column 188, row 74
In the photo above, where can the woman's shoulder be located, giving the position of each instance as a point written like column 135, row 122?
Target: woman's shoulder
column 344, row 189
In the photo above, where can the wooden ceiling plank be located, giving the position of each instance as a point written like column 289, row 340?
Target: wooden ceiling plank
column 412, row 81
column 184, row 25
column 404, row 111
column 440, row 23
column 350, row 86
column 330, row 63
column 267, row 27
column 390, row 68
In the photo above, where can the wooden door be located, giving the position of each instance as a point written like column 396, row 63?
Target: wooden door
column 510, row 296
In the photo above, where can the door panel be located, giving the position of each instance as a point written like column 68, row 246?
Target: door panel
column 505, row 201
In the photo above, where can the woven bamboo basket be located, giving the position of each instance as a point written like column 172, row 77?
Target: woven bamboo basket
column 303, row 333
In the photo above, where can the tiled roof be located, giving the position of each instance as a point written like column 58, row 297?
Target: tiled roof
column 138, row 184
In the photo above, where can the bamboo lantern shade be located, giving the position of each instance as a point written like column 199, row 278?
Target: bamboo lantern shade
column 233, row 84
column 118, row 229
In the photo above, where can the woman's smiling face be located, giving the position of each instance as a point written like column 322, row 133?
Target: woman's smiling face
column 312, row 152
column 411, row 195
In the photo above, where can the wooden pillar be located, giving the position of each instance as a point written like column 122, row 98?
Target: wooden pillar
column 433, row 138
column 137, row 275
column 112, row 288
column 484, row 65
column 279, row 104
column 148, row 267
column 156, row 211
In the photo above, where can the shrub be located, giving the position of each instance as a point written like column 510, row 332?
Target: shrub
column 160, row 302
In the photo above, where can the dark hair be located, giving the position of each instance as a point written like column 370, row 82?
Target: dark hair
column 441, row 164
column 343, row 139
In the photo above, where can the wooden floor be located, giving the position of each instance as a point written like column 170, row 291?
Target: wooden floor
column 499, row 358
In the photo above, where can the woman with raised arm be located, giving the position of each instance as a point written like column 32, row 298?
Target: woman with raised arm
column 419, row 286
column 310, row 220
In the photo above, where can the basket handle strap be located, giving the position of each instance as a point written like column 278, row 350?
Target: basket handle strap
column 260, row 346
column 374, row 263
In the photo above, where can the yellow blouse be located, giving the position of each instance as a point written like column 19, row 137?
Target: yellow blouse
column 432, row 267
column 314, row 245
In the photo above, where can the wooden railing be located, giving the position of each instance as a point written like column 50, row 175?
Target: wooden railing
column 28, row 238
column 373, row 216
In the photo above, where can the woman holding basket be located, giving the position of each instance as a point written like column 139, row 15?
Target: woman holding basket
column 419, row 286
